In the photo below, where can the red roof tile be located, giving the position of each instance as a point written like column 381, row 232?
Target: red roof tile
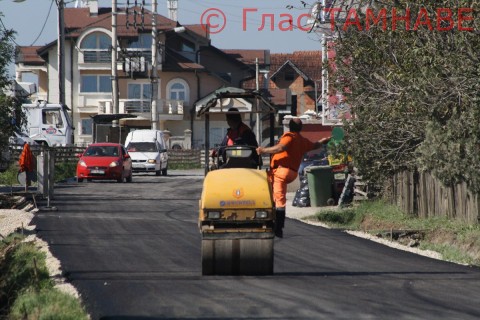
column 309, row 62
column 248, row 56
column 79, row 19
column 29, row 55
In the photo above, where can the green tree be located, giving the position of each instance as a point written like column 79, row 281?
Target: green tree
column 415, row 91
column 9, row 106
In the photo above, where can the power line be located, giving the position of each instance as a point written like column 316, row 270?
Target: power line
column 44, row 24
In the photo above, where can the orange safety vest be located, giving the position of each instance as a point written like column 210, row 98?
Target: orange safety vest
column 232, row 135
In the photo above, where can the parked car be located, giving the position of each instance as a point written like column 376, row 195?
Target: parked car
column 313, row 158
column 105, row 161
column 148, row 151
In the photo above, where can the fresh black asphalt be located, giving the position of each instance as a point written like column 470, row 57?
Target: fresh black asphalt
column 133, row 252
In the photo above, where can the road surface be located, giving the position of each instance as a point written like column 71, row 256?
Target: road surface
column 133, row 252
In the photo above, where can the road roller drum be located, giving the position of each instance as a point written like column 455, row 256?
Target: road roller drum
column 236, row 221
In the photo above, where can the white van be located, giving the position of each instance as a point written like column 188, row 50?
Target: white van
column 148, row 150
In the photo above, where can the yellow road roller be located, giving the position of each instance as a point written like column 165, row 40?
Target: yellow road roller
column 236, row 208
column 237, row 219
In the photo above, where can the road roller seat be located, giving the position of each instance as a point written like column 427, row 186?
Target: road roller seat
column 239, row 157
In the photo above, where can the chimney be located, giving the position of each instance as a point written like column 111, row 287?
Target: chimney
column 172, row 6
column 93, row 6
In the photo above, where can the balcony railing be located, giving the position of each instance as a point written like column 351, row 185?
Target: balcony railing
column 100, row 56
column 137, row 106
column 171, row 109
column 173, row 106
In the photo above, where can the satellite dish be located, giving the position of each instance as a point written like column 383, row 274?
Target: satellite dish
column 313, row 17
column 319, row 18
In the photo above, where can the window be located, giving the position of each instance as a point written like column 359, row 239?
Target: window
column 177, row 92
column 140, row 95
column 144, row 41
column 96, row 48
column 95, row 83
column 289, row 75
column 177, row 89
column 187, row 46
column 52, row 117
column 87, row 126
column 140, row 91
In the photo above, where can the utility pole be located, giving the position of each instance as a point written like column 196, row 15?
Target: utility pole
column 154, row 75
column 114, row 63
column 60, row 52
column 257, row 113
column 324, row 78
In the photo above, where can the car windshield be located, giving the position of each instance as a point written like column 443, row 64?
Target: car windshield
column 142, row 147
column 104, row 151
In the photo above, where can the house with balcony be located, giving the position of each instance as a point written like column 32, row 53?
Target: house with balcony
column 188, row 67
column 292, row 83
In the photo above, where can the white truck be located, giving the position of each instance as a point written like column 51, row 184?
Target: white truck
column 148, row 150
column 48, row 123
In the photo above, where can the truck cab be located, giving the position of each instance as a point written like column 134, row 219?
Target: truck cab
column 48, row 124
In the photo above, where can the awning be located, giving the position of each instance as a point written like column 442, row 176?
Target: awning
column 108, row 118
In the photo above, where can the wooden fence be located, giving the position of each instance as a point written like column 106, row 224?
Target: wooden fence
column 62, row 154
column 69, row 154
column 192, row 157
column 425, row 196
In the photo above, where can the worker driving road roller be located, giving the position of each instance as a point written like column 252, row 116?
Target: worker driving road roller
column 238, row 133
column 237, row 214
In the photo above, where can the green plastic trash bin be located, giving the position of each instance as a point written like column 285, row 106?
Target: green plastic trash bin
column 320, row 179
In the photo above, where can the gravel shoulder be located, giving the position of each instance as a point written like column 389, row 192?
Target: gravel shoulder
column 18, row 220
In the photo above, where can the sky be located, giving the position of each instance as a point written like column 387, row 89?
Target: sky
column 234, row 24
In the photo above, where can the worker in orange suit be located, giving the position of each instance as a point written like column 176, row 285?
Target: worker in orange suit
column 27, row 164
column 287, row 156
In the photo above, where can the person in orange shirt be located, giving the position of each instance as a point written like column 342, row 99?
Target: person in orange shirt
column 287, row 156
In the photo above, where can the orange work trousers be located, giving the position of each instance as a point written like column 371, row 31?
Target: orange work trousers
column 280, row 177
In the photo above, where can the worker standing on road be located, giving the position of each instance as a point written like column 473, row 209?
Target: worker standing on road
column 284, row 165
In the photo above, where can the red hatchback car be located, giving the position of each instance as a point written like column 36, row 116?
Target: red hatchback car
column 105, row 161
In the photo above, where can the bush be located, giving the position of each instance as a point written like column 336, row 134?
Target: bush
column 26, row 288
column 65, row 170
column 9, row 177
column 47, row 304
column 23, row 267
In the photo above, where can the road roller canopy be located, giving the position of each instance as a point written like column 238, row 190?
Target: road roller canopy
column 219, row 102
column 248, row 101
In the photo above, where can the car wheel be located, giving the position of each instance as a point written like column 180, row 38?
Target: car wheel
column 80, row 180
column 120, row 180
column 89, row 179
column 129, row 178
column 157, row 173
column 164, row 172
